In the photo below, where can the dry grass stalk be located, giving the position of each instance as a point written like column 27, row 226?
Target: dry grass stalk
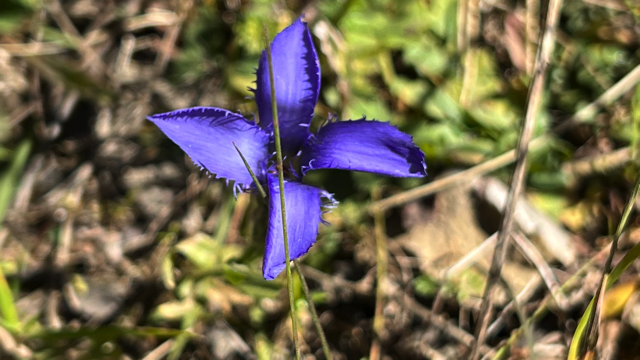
column 517, row 184
column 584, row 114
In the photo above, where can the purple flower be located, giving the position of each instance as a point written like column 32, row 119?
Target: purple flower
column 207, row 136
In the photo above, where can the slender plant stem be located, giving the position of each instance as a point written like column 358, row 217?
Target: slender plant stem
column 314, row 313
column 375, row 353
column 534, row 100
column 280, row 167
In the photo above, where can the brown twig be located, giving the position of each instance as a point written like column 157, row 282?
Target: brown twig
column 21, row 113
column 91, row 60
column 613, row 93
column 542, row 310
column 532, row 29
column 161, row 351
column 443, row 324
column 522, row 298
column 170, row 37
column 470, row 55
column 452, row 180
column 534, row 100
column 597, row 164
column 471, row 257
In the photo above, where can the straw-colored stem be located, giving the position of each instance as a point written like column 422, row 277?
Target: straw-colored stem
column 534, row 100
column 280, row 168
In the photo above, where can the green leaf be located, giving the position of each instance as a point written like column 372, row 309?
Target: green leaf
column 206, row 253
column 424, row 285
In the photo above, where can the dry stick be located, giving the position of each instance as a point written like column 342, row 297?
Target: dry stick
column 423, row 348
column 363, row 286
column 442, row 323
column 471, row 257
column 542, row 310
column 613, row 93
column 381, row 275
column 161, row 351
column 522, row 298
column 90, row 58
column 280, row 167
column 532, row 254
column 532, row 30
column 470, row 69
column 450, row 181
column 528, row 333
column 21, row 113
column 588, row 112
column 170, row 37
column 517, row 184
column 597, row 164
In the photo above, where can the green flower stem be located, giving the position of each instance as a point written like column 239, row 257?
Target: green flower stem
column 381, row 279
column 276, row 131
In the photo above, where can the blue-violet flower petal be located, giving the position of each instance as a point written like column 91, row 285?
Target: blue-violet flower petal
column 302, row 205
column 207, row 135
column 296, row 71
column 362, row 145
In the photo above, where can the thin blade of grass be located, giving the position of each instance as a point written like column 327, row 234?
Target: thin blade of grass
column 253, row 175
column 280, row 168
column 7, row 190
column 579, row 343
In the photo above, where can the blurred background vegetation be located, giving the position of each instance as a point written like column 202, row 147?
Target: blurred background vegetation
column 115, row 246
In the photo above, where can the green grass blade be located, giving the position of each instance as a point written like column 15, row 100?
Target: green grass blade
column 10, row 178
column 7, row 189
column 584, row 326
column 253, row 175
column 276, row 131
